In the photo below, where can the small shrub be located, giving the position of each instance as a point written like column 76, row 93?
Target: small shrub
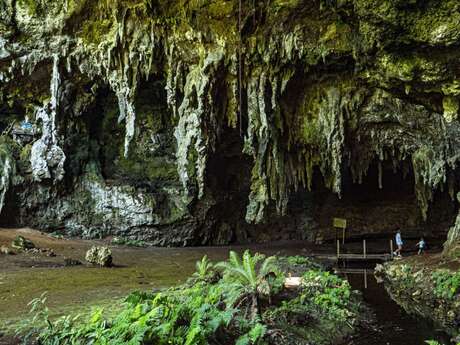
column 121, row 241
column 446, row 283
column 329, row 293
column 298, row 260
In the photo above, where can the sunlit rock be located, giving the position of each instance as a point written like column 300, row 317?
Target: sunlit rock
column 101, row 256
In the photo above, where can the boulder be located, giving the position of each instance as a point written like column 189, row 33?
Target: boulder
column 5, row 250
column 101, row 256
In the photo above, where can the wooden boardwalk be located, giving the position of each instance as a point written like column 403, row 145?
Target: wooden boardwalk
column 364, row 256
column 369, row 271
column 353, row 257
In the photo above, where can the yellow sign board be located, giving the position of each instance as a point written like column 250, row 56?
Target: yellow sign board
column 339, row 223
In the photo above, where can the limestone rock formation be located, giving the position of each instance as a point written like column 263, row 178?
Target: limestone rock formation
column 7, row 171
column 162, row 121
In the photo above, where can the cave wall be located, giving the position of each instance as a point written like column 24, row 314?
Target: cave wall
column 161, row 120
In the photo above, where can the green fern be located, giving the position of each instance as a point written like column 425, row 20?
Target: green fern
column 203, row 269
column 249, row 278
column 201, row 312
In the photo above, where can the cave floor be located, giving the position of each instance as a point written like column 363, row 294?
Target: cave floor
column 74, row 289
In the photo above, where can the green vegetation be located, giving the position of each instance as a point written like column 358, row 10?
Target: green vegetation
column 22, row 243
column 239, row 301
column 204, row 270
column 447, row 283
column 434, row 342
column 128, row 242
column 326, row 301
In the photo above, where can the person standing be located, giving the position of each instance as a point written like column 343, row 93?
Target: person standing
column 399, row 243
column 421, row 246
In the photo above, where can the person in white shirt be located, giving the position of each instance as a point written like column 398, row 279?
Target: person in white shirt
column 399, row 243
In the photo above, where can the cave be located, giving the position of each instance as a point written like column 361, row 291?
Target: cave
column 228, row 182
column 241, row 129
column 374, row 207
column 10, row 213
column 379, row 205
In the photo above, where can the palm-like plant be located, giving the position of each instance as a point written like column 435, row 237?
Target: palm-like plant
column 203, row 269
column 250, row 278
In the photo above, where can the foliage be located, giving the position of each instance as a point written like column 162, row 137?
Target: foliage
column 329, row 293
column 324, row 305
column 127, row 242
column 323, row 295
column 297, row 265
column 204, row 270
column 248, row 274
column 236, row 307
column 447, row 283
column 298, row 260
column 253, row 277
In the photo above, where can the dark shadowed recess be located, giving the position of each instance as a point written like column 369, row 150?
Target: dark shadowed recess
column 375, row 210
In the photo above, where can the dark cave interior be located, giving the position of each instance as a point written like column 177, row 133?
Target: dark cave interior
column 374, row 211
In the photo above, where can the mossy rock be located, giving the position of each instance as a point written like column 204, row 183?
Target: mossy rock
column 22, row 243
column 101, row 256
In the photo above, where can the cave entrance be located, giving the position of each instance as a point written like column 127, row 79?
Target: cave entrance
column 228, row 182
column 228, row 186
column 10, row 213
column 375, row 211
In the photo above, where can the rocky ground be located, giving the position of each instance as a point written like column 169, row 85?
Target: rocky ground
column 426, row 285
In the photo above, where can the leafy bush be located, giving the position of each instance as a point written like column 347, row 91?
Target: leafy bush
column 251, row 277
column 323, row 295
column 299, row 260
column 446, row 283
column 329, row 293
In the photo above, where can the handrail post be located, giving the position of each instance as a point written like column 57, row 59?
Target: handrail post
column 338, row 250
column 391, row 248
column 364, row 248
column 365, row 278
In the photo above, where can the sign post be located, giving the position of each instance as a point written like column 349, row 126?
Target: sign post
column 340, row 223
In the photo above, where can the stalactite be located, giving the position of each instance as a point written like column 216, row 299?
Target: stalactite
column 193, row 143
column 47, row 158
column 314, row 101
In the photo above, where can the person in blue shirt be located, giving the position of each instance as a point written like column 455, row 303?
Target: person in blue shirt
column 421, row 246
column 399, row 243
